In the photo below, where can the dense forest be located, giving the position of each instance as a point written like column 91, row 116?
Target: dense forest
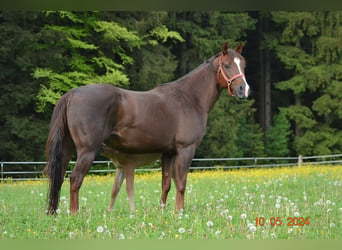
column 294, row 68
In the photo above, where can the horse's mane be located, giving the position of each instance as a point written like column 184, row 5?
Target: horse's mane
column 189, row 74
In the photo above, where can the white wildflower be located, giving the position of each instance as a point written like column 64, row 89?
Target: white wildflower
column 252, row 228
column 100, row 229
column 243, row 216
column 210, row 223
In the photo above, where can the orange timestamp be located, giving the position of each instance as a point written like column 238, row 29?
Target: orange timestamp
column 277, row 221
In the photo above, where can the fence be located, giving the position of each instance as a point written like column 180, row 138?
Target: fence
column 215, row 163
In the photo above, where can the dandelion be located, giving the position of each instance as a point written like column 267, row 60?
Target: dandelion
column 162, row 234
column 181, row 230
column 340, row 209
column 329, row 210
column 218, row 232
column 296, row 214
column 210, row 223
column 131, row 216
column 58, row 211
column 262, row 196
column 100, row 229
column 162, row 205
column 332, row 225
column 84, row 199
column 252, row 228
column 71, row 234
column 229, row 217
column 328, row 202
column 273, row 235
column 277, row 205
column 121, row 236
column 278, row 201
column 150, row 224
column 243, row 216
column 290, row 231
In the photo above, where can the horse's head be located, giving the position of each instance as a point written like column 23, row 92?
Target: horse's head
column 231, row 71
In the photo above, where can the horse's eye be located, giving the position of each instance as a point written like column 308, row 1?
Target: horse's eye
column 227, row 66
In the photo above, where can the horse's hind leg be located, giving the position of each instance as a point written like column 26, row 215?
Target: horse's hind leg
column 167, row 171
column 130, row 186
column 119, row 177
column 83, row 164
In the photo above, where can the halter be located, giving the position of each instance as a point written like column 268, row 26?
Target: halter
column 229, row 81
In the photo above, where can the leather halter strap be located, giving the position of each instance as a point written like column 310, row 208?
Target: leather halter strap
column 228, row 80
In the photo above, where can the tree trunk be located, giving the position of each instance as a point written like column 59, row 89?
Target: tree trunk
column 265, row 79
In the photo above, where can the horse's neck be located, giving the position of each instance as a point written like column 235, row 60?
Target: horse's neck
column 202, row 86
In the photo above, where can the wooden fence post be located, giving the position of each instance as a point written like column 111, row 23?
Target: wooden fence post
column 300, row 160
column 2, row 171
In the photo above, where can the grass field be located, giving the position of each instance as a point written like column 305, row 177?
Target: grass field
column 218, row 205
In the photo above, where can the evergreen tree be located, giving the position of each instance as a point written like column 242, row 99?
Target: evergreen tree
column 310, row 47
column 99, row 51
column 277, row 137
column 22, row 133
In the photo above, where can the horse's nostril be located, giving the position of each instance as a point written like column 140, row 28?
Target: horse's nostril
column 241, row 87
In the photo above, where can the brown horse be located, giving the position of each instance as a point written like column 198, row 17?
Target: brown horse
column 169, row 121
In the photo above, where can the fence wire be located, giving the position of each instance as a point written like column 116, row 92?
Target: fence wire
column 108, row 167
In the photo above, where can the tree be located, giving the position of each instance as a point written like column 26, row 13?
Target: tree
column 22, row 133
column 277, row 137
column 99, row 50
column 310, row 47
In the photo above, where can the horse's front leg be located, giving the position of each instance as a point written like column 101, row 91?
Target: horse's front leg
column 167, row 171
column 119, row 177
column 181, row 167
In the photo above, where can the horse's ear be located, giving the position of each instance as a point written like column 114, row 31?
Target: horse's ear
column 225, row 48
column 239, row 48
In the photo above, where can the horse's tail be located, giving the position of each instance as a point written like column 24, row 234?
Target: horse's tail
column 54, row 151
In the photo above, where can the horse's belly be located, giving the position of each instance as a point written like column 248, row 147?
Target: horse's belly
column 140, row 142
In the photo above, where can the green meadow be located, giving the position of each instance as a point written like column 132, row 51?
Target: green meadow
column 275, row 203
